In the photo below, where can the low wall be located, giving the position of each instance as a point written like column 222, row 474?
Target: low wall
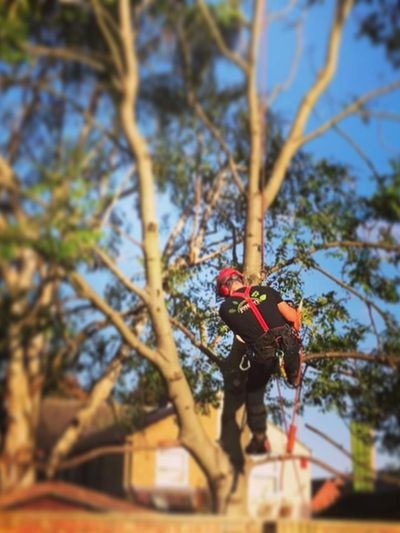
column 79, row 522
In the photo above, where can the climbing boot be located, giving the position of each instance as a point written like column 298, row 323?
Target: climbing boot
column 258, row 445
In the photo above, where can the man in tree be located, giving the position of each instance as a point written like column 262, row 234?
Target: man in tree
column 267, row 328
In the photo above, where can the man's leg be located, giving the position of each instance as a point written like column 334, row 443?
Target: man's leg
column 234, row 398
column 259, row 376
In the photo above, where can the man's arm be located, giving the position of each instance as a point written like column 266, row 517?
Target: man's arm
column 290, row 314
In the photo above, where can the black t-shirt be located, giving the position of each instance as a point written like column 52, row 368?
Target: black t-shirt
column 238, row 316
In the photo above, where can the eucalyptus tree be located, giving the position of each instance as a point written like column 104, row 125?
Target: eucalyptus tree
column 98, row 76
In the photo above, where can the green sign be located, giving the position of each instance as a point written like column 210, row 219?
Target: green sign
column 362, row 449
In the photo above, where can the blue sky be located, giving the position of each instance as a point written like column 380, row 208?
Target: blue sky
column 362, row 68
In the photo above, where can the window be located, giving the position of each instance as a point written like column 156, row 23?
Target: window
column 172, row 468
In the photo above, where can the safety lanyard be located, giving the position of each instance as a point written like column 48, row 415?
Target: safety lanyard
column 246, row 296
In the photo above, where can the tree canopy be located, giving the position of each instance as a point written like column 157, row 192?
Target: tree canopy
column 141, row 152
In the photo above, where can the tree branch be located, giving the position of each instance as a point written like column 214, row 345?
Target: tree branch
column 350, row 289
column 284, row 86
column 324, row 77
column 357, row 149
column 202, row 347
column 386, row 360
column 68, row 54
column 211, row 255
column 219, row 40
column 389, row 247
column 85, row 291
column 211, row 201
column 103, row 21
column 110, row 264
column 117, row 195
column 180, row 224
column 97, row 396
column 201, row 114
column 282, row 13
column 350, row 109
column 384, row 477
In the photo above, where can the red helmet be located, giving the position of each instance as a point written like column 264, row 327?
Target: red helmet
column 223, row 277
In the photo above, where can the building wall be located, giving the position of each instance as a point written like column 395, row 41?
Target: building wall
column 154, row 466
column 276, row 488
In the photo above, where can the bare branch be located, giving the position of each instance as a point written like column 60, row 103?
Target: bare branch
column 282, row 13
column 374, row 328
column 202, row 115
column 219, row 40
column 256, row 126
column 194, row 244
column 110, row 264
column 384, row 477
column 107, row 29
column 324, row 77
column 211, row 255
column 97, row 396
column 15, row 137
column 284, row 86
column 358, row 149
column 85, row 291
column 350, row 289
column 372, row 113
column 124, row 449
column 109, row 450
column 202, row 347
column 42, row 85
column 389, row 247
column 69, row 54
column 349, row 110
column 385, row 360
column 126, row 235
column 90, row 112
column 116, row 197
column 180, row 224
column 210, row 205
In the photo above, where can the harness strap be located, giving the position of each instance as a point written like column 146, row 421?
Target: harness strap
column 246, row 296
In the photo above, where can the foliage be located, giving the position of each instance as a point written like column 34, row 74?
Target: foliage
column 72, row 192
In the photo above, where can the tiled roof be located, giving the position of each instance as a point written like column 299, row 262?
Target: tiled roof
column 73, row 495
column 105, row 427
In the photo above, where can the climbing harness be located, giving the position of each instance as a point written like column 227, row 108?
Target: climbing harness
column 279, row 354
column 245, row 362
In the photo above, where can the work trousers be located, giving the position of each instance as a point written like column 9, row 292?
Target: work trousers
column 243, row 388
column 248, row 387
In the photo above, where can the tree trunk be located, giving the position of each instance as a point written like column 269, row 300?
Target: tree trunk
column 21, row 402
column 19, row 440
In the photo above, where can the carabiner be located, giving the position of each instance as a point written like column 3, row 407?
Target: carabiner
column 242, row 363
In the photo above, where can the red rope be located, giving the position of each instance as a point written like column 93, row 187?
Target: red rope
column 291, row 431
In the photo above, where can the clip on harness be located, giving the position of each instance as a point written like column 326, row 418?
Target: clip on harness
column 291, row 432
column 245, row 364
